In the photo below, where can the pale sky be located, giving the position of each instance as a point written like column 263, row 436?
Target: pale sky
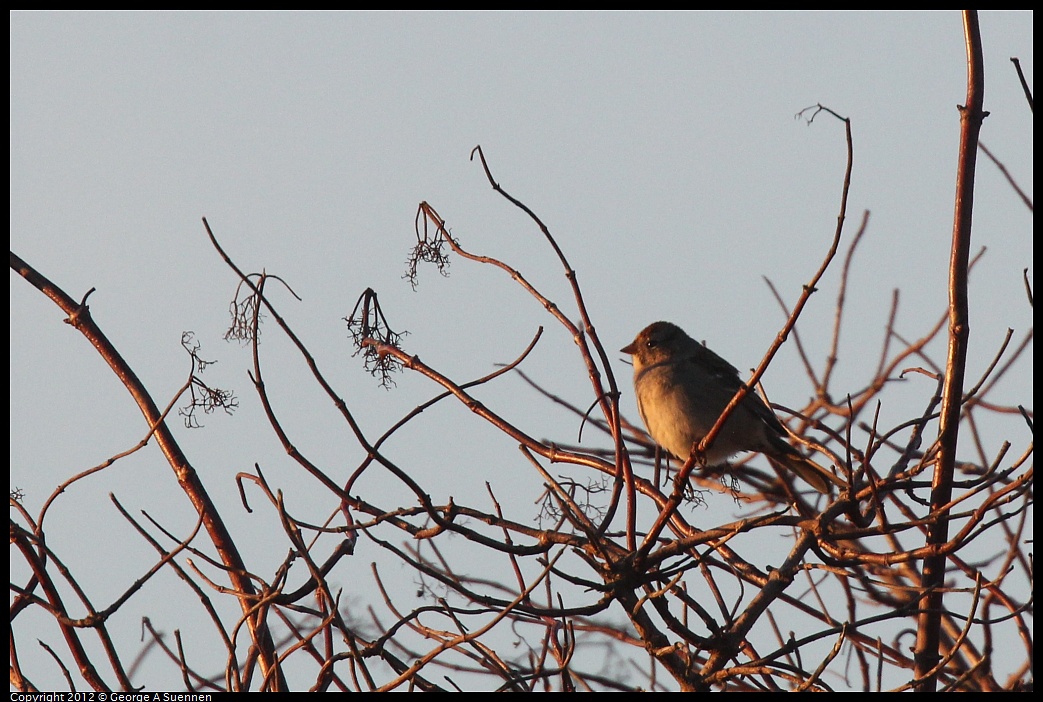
column 660, row 148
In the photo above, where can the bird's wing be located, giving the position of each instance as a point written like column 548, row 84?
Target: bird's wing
column 729, row 378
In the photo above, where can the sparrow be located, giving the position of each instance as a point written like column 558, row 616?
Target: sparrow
column 682, row 388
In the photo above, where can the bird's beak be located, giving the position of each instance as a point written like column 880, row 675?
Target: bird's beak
column 631, row 348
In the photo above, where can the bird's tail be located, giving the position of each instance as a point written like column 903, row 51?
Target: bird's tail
column 810, row 472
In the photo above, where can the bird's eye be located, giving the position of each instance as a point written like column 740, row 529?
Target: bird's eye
column 652, row 343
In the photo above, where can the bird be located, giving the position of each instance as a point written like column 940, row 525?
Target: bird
column 682, row 388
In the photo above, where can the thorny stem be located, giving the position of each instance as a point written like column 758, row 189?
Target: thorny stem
column 971, row 117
